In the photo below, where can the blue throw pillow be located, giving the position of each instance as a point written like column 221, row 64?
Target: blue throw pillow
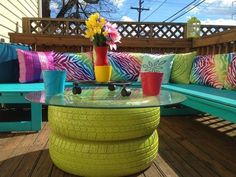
column 158, row 63
column 9, row 66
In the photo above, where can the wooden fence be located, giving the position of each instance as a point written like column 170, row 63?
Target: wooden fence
column 69, row 43
column 223, row 42
column 62, row 26
column 67, row 35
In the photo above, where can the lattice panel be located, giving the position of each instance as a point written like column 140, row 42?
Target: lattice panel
column 152, row 30
column 57, row 27
column 168, row 31
column 207, row 30
column 127, row 29
column 76, row 28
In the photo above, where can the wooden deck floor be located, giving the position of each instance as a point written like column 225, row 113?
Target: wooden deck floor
column 189, row 147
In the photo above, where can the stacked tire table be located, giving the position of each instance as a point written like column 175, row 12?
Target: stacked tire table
column 103, row 142
column 101, row 133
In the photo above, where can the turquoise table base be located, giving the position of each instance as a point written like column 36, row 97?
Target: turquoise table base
column 103, row 142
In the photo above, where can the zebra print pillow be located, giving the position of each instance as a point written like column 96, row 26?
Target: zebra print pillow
column 78, row 66
column 230, row 82
column 181, row 68
column 125, row 66
column 210, row 70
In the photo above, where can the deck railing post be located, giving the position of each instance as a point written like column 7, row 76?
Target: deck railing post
column 26, row 25
column 151, row 31
column 185, row 31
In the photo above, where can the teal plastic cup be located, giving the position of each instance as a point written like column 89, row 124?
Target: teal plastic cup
column 54, row 82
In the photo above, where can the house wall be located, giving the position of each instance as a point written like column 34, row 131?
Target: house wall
column 11, row 13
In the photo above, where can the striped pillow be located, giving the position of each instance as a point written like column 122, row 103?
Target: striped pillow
column 78, row 66
column 210, row 70
column 125, row 65
column 32, row 63
column 230, row 82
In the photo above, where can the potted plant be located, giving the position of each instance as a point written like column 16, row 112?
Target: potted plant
column 103, row 34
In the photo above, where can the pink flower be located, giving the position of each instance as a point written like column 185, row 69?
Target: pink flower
column 113, row 36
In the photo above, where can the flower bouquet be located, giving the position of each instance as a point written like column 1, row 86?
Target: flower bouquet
column 103, row 34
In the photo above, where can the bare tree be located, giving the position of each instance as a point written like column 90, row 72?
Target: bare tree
column 81, row 9
column 46, row 8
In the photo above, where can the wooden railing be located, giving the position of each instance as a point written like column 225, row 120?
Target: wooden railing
column 72, row 43
column 223, row 42
column 67, row 35
column 207, row 30
column 62, row 26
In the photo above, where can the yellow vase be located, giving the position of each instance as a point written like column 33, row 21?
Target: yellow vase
column 103, row 73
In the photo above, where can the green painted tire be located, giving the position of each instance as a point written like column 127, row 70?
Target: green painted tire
column 112, row 158
column 103, row 124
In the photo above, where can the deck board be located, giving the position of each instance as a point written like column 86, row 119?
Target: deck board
column 189, row 146
column 208, row 149
column 56, row 172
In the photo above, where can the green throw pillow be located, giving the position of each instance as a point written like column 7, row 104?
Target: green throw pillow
column 181, row 68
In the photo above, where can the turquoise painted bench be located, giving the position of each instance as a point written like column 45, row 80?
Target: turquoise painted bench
column 15, row 93
column 220, row 103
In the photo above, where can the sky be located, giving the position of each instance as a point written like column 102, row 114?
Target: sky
column 220, row 12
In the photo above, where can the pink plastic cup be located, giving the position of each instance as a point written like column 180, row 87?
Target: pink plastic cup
column 151, row 83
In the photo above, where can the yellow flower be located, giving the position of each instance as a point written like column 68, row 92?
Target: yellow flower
column 89, row 34
column 97, row 30
column 88, row 24
column 96, row 26
column 102, row 22
column 96, row 15
column 105, row 33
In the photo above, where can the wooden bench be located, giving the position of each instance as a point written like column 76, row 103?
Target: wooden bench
column 217, row 102
column 14, row 93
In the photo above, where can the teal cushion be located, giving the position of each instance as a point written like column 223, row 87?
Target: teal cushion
column 8, row 51
column 226, row 97
column 9, row 66
column 26, row 87
column 9, row 71
column 158, row 63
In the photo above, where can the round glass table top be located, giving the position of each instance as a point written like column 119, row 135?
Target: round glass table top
column 101, row 97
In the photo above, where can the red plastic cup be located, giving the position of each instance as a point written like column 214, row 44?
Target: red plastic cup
column 151, row 83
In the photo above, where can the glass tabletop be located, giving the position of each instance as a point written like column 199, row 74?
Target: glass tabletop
column 101, row 97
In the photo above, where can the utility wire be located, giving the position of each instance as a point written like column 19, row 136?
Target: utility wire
column 188, row 10
column 139, row 9
column 181, row 10
column 155, row 10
